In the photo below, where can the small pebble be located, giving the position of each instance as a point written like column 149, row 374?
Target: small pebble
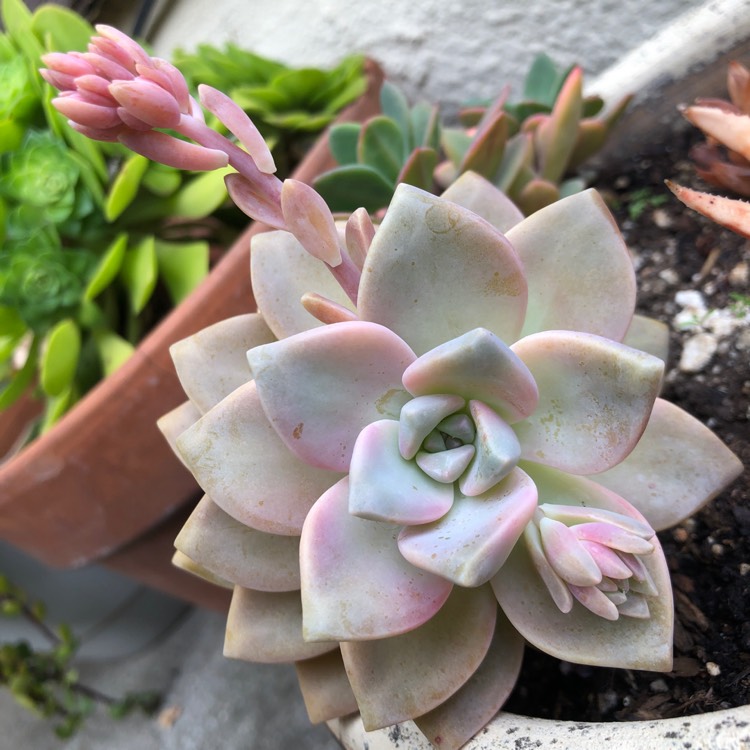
column 713, row 669
column 662, row 219
column 679, row 534
column 669, row 275
column 739, row 275
column 659, row 686
column 744, row 569
column 717, row 550
column 743, row 340
column 697, row 352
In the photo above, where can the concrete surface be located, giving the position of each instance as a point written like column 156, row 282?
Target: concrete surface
column 446, row 52
column 211, row 703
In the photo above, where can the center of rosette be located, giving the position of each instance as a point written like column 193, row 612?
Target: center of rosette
column 452, row 440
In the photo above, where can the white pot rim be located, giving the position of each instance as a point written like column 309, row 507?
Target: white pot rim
column 728, row 729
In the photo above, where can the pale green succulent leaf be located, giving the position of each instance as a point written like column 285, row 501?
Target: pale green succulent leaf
column 201, row 195
column 419, row 168
column 108, row 267
column 182, row 266
column 114, row 351
column 125, row 186
column 61, row 28
column 354, row 186
column 139, row 272
column 59, row 357
column 425, row 125
column 342, row 140
column 381, row 146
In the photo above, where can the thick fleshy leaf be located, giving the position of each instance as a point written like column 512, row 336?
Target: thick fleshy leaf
column 470, row 544
column 581, row 636
column 282, row 271
column 383, row 486
column 595, row 397
column 497, row 451
column 267, row 628
column 648, row 335
column 729, row 212
column 676, row 468
column 325, row 687
column 447, row 465
column 729, row 128
column 237, row 553
column 175, row 422
column 183, row 562
column 436, row 270
column 480, row 366
column 355, row 583
column 420, row 416
column 321, row 387
column 400, row 678
column 578, row 268
column 479, row 195
column 466, row 712
column 213, row 362
column 242, row 465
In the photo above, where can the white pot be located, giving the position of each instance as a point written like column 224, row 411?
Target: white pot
column 720, row 730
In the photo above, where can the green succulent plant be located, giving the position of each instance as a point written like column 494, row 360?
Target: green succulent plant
column 531, row 149
column 399, row 145
column 287, row 105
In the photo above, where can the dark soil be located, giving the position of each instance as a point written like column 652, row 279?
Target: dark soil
column 709, row 554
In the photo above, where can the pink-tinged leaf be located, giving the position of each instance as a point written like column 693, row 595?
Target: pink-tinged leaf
column 359, row 234
column 497, row 451
column 355, row 583
column 479, row 195
column 175, row 422
column 578, row 268
column 383, row 486
column 676, row 468
column 325, row 687
column 436, row 270
column 68, row 63
column 403, row 677
column 96, row 85
column 731, row 130
column 556, row 136
column 147, row 101
column 537, row 194
column 469, row 710
column 446, row 466
column 131, row 122
column 738, row 84
column 90, row 115
column 420, row 416
column 470, row 544
column 595, row 601
column 213, row 362
column 111, row 50
column 309, row 219
column 567, row 556
column 730, row 213
column 237, row 553
column 183, row 562
column 648, row 335
column 134, row 50
column 239, row 124
column 325, row 310
column 110, row 135
column 321, row 387
column 485, row 153
column 282, row 271
column 239, row 461
column 60, row 81
column 254, row 201
column 556, row 587
column 107, row 67
column 608, row 561
column 476, row 365
column 595, row 397
column 579, row 635
column 611, row 536
column 267, row 628
column 173, row 152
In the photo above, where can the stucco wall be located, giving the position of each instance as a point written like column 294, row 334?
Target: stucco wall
column 448, row 52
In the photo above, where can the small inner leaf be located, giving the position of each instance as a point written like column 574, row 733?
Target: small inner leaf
column 59, row 358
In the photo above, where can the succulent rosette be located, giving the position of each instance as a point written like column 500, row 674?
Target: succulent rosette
column 466, row 459
column 438, row 439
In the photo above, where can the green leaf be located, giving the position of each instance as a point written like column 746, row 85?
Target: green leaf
column 108, row 267
column 162, row 180
column 59, row 358
column 394, row 105
column 347, row 188
column 419, row 168
column 342, row 140
column 139, row 273
column 455, row 143
column 113, row 350
column 299, row 86
column 381, row 146
column 11, row 323
column 61, row 28
column 202, row 195
column 544, row 80
column 11, row 135
column 182, row 266
column 56, row 408
column 16, row 18
column 425, row 125
column 125, row 186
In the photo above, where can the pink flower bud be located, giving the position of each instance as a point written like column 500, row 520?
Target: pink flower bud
column 173, row 152
column 61, row 81
column 170, row 79
column 134, row 50
column 95, row 85
column 70, row 63
column 107, row 68
column 147, row 101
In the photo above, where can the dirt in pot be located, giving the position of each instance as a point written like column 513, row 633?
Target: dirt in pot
column 694, row 276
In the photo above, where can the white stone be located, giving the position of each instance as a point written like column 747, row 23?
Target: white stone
column 697, row 352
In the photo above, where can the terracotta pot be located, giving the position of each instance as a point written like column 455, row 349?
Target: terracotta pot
column 104, row 475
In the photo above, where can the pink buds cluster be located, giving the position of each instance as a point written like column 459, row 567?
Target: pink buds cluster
column 593, row 556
